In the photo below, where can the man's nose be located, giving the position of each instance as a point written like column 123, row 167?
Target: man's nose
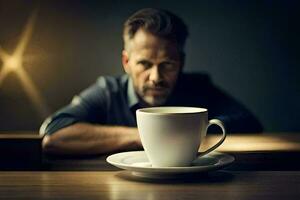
column 155, row 76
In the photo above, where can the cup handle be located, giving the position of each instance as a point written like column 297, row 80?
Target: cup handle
column 221, row 125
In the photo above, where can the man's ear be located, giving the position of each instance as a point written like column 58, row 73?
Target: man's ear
column 125, row 60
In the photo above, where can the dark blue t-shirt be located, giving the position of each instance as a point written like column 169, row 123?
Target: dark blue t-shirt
column 113, row 101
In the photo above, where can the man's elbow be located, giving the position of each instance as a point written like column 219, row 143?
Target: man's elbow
column 49, row 144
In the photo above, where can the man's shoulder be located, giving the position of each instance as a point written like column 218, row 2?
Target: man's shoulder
column 112, row 83
column 192, row 89
column 194, row 79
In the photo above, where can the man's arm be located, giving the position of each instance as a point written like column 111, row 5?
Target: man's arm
column 81, row 127
column 236, row 117
column 87, row 139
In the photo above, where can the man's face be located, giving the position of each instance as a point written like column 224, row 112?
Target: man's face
column 153, row 63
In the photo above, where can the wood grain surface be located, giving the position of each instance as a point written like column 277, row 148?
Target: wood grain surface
column 266, row 167
column 122, row 185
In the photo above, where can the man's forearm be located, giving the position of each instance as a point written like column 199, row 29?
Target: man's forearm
column 83, row 138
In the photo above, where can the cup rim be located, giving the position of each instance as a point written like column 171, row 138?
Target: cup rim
column 190, row 110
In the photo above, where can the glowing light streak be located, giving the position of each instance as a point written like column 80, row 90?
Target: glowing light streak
column 14, row 64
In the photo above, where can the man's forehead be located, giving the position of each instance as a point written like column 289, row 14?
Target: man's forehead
column 144, row 39
column 145, row 44
column 150, row 53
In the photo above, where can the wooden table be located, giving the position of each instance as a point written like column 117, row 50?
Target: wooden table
column 266, row 168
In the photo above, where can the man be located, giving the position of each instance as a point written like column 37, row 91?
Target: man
column 102, row 118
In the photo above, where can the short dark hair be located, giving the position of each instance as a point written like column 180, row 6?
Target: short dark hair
column 159, row 22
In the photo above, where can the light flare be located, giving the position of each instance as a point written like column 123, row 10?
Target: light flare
column 14, row 64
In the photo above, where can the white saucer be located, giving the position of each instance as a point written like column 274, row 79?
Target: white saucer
column 138, row 163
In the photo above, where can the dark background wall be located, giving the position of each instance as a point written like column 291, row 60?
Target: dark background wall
column 250, row 48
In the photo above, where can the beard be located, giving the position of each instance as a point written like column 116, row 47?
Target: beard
column 156, row 95
column 155, row 100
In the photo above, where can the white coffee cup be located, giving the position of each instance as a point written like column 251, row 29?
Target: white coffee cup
column 171, row 136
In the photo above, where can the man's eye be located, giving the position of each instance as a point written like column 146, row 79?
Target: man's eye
column 168, row 66
column 145, row 64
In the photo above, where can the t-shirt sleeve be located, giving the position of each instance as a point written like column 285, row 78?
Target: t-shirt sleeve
column 89, row 106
